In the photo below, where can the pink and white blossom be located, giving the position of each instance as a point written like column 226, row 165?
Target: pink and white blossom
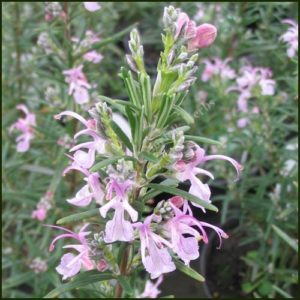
column 291, row 37
column 118, row 229
column 92, row 6
column 242, row 122
column 183, row 224
column 25, row 126
column 78, row 84
column 82, row 158
column 92, row 190
column 155, row 255
column 217, row 66
column 189, row 171
column 151, row 289
column 71, row 264
column 45, row 204
column 93, row 56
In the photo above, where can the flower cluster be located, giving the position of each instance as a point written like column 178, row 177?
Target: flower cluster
column 252, row 82
column 45, row 204
column 53, row 10
column 25, row 125
column 81, row 46
column 78, row 84
column 134, row 153
column 162, row 232
column 38, row 265
column 291, row 37
column 219, row 67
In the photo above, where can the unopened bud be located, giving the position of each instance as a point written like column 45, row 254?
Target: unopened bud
column 171, row 56
column 184, row 86
column 205, row 36
column 131, row 63
column 183, row 56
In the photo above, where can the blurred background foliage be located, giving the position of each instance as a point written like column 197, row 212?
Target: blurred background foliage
column 264, row 200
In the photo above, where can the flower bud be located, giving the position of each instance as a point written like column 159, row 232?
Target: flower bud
column 177, row 201
column 131, row 63
column 184, row 86
column 183, row 56
column 183, row 18
column 171, row 56
column 205, row 36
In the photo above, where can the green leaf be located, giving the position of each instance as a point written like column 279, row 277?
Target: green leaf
column 286, row 238
column 180, row 97
column 18, row 279
column 185, row 115
column 79, row 216
column 282, row 292
column 185, row 195
column 153, row 193
column 188, row 271
column 123, row 137
column 132, row 85
column 140, row 126
column 148, row 157
column 146, row 95
column 265, row 288
column 166, row 107
column 80, row 280
column 109, row 161
column 132, row 120
column 201, row 139
column 118, row 104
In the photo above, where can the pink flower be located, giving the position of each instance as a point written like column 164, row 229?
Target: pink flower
column 216, row 66
column 25, row 125
column 39, row 214
column 118, row 229
column 45, row 204
column 183, row 18
column 208, row 71
column 243, row 122
column 92, row 6
column 205, row 36
column 178, row 227
column 242, row 102
column 151, row 289
column 291, row 37
column 267, row 87
column 255, row 110
column 197, row 37
column 188, row 171
column 71, row 264
column 184, row 236
column 92, row 37
column 102, row 265
column 81, row 158
column 78, row 85
column 91, row 190
column 155, row 257
column 93, row 56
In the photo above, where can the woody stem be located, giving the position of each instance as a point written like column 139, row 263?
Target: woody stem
column 123, row 271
